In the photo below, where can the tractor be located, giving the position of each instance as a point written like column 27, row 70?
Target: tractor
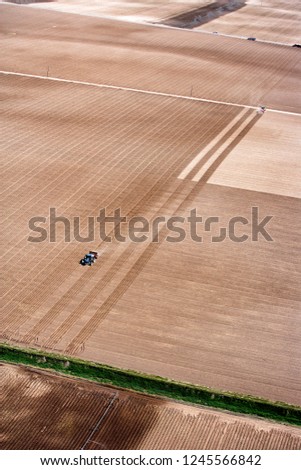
column 89, row 258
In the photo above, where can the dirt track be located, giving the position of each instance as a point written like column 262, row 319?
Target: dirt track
column 225, row 315
column 61, row 413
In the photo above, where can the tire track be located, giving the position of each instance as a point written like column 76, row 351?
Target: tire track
column 21, row 315
column 225, row 142
column 211, row 147
column 104, row 282
column 125, row 152
column 144, row 258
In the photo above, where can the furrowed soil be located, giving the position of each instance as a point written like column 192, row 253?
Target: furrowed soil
column 219, row 314
column 63, row 413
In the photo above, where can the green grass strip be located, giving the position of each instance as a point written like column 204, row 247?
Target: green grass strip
column 152, row 385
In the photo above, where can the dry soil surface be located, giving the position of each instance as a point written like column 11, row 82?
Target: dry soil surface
column 47, row 411
column 223, row 314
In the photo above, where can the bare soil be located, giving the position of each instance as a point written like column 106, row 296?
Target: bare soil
column 149, row 58
column 225, row 315
column 265, row 20
column 129, row 10
column 47, row 411
column 202, row 14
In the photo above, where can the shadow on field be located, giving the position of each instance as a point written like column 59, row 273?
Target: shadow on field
column 198, row 16
column 127, row 424
column 46, row 411
column 27, row 2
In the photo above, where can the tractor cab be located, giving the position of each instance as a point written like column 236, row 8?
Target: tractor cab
column 89, row 258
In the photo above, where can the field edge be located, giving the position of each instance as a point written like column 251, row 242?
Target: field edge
column 152, row 385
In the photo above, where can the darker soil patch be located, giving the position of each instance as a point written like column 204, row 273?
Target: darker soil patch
column 196, row 17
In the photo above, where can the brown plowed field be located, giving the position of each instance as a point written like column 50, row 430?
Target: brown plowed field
column 136, row 10
column 62, row 413
column 273, row 20
column 150, row 58
column 224, row 315
column 221, row 314
column 264, row 153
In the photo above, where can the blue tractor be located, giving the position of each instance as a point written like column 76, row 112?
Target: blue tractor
column 89, row 258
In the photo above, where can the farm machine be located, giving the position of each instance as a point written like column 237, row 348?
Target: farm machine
column 89, row 258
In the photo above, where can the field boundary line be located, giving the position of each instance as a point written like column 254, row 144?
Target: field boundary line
column 137, row 90
column 150, row 384
column 217, row 34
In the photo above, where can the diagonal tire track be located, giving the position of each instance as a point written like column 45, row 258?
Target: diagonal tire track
column 138, row 266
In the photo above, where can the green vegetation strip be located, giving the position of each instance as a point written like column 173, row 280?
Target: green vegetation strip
column 152, row 385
